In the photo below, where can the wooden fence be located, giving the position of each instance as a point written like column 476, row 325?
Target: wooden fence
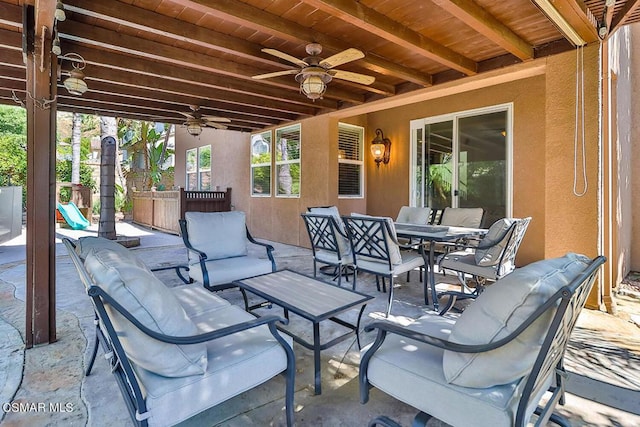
column 162, row 209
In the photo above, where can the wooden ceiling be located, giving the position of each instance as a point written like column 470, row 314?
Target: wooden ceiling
column 152, row 59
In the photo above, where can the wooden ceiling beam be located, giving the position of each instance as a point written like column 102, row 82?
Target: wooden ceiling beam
column 380, row 25
column 621, row 17
column 171, row 75
column 260, row 20
column 107, row 39
column 476, row 17
column 149, row 21
column 579, row 17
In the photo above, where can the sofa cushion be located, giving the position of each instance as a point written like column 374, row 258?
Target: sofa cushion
column 84, row 245
column 196, row 300
column 495, row 243
column 497, row 312
column 218, row 234
column 237, row 363
column 155, row 306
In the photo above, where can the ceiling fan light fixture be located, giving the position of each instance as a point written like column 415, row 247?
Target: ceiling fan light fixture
column 313, row 82
column 75, row 82
column 194, row 128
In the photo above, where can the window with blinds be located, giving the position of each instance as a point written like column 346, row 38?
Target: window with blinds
column 287, row 149
column 261, row 164
column 350, row 161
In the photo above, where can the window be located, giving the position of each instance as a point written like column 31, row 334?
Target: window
column 288, row 161
column 463, row 160
column 199, row 168
column 261, row 164
column 350, row 161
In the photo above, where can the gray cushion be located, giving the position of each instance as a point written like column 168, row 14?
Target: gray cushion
column 465, row 262
column 394, row 249
column 226, row 270
column 462, row 217
column 341, row 236
column 196, row 300
column 497, row 312
column 84, row 245
column 412, row 372
column 237, row 363
column 494, row 242
column 414, row 215
column 217, row 234
column 155, row 306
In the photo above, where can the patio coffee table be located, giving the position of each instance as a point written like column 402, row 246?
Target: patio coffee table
column 311, row 299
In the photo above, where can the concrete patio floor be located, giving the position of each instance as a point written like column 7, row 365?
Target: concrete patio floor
column 604, row 356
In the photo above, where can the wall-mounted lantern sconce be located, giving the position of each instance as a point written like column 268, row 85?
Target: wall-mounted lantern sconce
column 380, row 148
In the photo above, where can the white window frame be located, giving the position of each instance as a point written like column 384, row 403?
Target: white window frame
column 287, row 162
column 199, row 169
column 256, row 165
column 454, row 117
column 360, row 131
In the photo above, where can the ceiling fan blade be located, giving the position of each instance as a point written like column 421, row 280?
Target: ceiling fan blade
column 214, row 125
column 352, row 77
column 285, row 56
column 342, row 58
column 275, row 74
column 216, row 119
column 189, row 115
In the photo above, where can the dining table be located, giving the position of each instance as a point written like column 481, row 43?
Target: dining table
column 429, row 235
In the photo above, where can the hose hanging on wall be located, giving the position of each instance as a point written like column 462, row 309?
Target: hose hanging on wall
column 579, row 138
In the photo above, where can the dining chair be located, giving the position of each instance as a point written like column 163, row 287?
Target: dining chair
column 413, row 215
column 330, row 245
column 376, row 250
column 499, row 363
column 493, row 258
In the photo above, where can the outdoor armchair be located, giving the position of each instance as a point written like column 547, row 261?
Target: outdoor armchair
column 221, row 249
column 495, row 363
column 376, row 250
column 330, row 244
column 493, row 257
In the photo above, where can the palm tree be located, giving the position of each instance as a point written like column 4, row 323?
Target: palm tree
column 109, row 148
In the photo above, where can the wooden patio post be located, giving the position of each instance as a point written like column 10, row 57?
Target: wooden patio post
column 40, row 327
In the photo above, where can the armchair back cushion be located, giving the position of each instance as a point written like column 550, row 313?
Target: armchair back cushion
column 462, row 217
column 494, row 241
column 391, row 238
column 155, row 306
column 217, row 234
column 497, row 312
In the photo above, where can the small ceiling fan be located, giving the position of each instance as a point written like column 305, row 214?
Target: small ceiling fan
column 315, row 72
column 196, row 121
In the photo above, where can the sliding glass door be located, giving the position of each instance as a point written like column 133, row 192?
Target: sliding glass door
column 463, row 160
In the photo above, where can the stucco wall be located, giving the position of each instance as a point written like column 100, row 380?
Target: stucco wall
column 630, row 183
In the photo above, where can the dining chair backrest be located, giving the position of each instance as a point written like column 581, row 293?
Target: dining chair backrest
column 500, row 245
column 373, row 239
column 414, row 215
column 325, row 234
column 462, row 217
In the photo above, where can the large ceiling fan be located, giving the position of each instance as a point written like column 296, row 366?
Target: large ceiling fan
column 316, row 72
column 196, row 121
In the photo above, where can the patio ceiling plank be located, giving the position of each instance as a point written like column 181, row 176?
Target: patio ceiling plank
column 376, row 23
column 107, row 39
column 11, row 15
column 620, row 19
column 469, row 12
column 260, row 20
column 579, row 17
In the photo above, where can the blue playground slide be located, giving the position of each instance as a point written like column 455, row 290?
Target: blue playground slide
column 73, row 216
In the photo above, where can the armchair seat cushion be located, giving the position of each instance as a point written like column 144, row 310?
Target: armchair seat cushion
column 329, row 257
column 236, row 363
column 226, row 270
column 412, row 372
column 409, row 260
column 497, row 312
column 465, row 262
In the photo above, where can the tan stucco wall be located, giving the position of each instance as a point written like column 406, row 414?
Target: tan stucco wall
column 631, row 209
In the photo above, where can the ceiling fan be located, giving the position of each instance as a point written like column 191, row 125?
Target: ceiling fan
column 196, row 121
column 315, row 72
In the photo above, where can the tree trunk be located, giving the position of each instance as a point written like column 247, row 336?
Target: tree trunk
column 109, row 148
column 75, row 148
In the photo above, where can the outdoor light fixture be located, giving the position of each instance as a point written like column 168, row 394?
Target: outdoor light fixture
column 560, row 22
column 313, row 82
column 194, row 128
column 55, row 47
column 380, row 148
column 59, row 13
column 75, row 82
